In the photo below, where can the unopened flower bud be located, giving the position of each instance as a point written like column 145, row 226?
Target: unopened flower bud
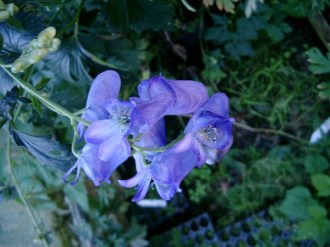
column 54, row 45
column 20, row 65
column 12, row 9
column 2, row 5
column 4, row 15
column 36, row 55
column 31, row 46
column 45, row 37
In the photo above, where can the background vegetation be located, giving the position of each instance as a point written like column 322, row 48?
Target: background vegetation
column 271, row 58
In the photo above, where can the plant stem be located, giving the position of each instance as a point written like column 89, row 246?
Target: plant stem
column 156, row 150
column 21, row 196
column 47, row 102
column 74, row 141
column 321, row 27
column 268, row 131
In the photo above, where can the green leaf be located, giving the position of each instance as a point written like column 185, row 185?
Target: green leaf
column 1, row 42
column 45, row 149
column 315, row 230
column 36, row 104
column 296, row 203
column 78, row 193
column 70, row 62
column 227, row 5
column 51, row 2
column 138, row 15
column 7, row 103
column 317, row 227
column 322, row 183
column 324, row 88
column 320, row 64
column 315, row 164
column 317, row 212
column 15, row 23
column 42, row 83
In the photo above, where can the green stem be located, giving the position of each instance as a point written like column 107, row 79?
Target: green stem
column 21, row 196
column 156, row 150
column 321, row 27
column 47, row 102
column 268, row 131
column 75, row 139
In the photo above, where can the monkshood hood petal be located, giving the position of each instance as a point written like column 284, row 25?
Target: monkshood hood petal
column 147, row 113
column 187, row 95
column 217, row 104
column 96, row 169
column 169, row 168
column 212, row 130
column 104, row 87
column 212, row 127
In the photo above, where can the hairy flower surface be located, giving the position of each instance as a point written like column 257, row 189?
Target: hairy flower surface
column 212, row 127
column 111, row 133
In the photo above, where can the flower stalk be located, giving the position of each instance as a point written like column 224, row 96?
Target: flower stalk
column 47, row 102
column 21, row 196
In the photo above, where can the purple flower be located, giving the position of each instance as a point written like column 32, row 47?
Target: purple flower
column 212, row 127
column 106, row 137
column 97, row 170
column 166, row 170
column 104, row 87
column 159, row 96
column 111, row 133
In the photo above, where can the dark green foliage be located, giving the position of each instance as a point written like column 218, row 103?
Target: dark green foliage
column 45, row 149
column 7, row 103
column 264, row 63
column 69, row 62
column 303, row 8
column 138, row 15
column 237, row 41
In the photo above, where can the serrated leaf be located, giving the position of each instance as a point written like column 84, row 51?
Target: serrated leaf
column 15, row 38
column 69, row 62
column 42, row 83
column 7, row 82
column 316, row 164
column 317, row 230
column 322, row 183
column 45, row 149
column 36, row 104
column 8, row 102
column 78, row 193
column 138, row 15
column 320, row 64
column 1, row 42
column 317, row 212
column 15, row 23
column 227, row 5
column 296, row 203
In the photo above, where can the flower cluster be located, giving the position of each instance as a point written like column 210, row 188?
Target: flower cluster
column 120, row 129
column 37, row 49
column 7, row 10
